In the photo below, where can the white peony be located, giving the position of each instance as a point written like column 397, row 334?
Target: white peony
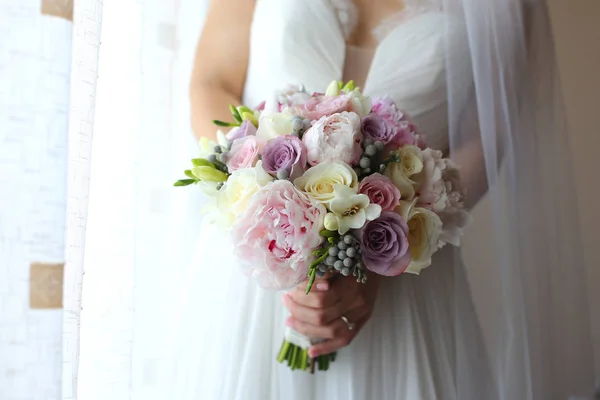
column 335, row 137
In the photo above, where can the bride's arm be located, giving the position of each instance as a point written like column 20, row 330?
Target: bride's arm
column 220, row 64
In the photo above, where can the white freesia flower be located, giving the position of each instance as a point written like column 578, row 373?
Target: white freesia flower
column 350, row 210
column 222, row 139
column 320, row 180
column 360, row 103
column 233, row 198
column 410, row 162
column 333, row 89
column 272, row 125
column 424, row 231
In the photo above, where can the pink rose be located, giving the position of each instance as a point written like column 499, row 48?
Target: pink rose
column 334, row 138
column 244, row 153
column 277, row 233
column 320, row 106
column 380, row 190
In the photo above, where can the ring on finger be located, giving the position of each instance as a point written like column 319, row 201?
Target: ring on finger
column 350, row 325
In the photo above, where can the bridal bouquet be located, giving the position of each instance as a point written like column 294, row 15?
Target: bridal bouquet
column 334, row 182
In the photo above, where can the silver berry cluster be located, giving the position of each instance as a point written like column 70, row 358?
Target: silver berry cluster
column 370, row 158
column 344, row 256
column 219, row 159
column 299, row 125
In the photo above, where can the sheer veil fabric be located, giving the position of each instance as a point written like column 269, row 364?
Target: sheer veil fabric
column 491, row 97
column 539, row 334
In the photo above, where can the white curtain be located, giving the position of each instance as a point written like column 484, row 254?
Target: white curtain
column 136, row 227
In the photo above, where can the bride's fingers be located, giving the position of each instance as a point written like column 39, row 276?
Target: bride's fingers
column 336, row 328
column 323, row 316
column 340, row 340
column 320, row 284
column 317, row 316
column 315, row 299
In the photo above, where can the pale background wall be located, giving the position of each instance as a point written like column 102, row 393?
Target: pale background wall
column 577, row 29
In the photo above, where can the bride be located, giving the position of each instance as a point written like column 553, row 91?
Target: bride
column 407, row 337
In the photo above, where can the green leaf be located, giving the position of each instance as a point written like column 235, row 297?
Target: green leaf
column 223, row 123
column 235, row 113
column 189, row 174
column 185, row 182
column 201, row 162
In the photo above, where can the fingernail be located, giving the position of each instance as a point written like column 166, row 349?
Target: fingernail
column 323, row 285
column 289, row 322
column 312, row 353
column 285, row 298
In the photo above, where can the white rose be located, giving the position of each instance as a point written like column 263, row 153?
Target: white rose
column 320, row 180
column 424, row 231
column 272, row 125
column 410, row 162
column 360, row 103
column 235, row 194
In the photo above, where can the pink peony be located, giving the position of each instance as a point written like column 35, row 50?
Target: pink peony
column 334, row 138
column 320, row 106
column 244, row 153
column 404, row 130
column 430, row 187
column 277, row 233
column 381, row 191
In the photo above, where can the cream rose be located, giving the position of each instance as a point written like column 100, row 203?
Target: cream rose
column 320, row 180
column 233, row 198
column 272, row 125
column 424, row 231
column 410, row 162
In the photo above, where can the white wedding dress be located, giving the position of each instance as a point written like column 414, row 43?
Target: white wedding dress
column 424, row 326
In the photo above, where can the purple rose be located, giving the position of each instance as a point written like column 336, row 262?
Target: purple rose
column 286, row 153
column 384, row 244
column 377, row 128
column 246, row 129
column 381, row 190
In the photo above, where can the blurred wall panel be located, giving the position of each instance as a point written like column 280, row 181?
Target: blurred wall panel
column 35, row 59
column 576, row 25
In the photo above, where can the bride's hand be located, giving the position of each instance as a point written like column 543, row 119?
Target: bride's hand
column 319, row 314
